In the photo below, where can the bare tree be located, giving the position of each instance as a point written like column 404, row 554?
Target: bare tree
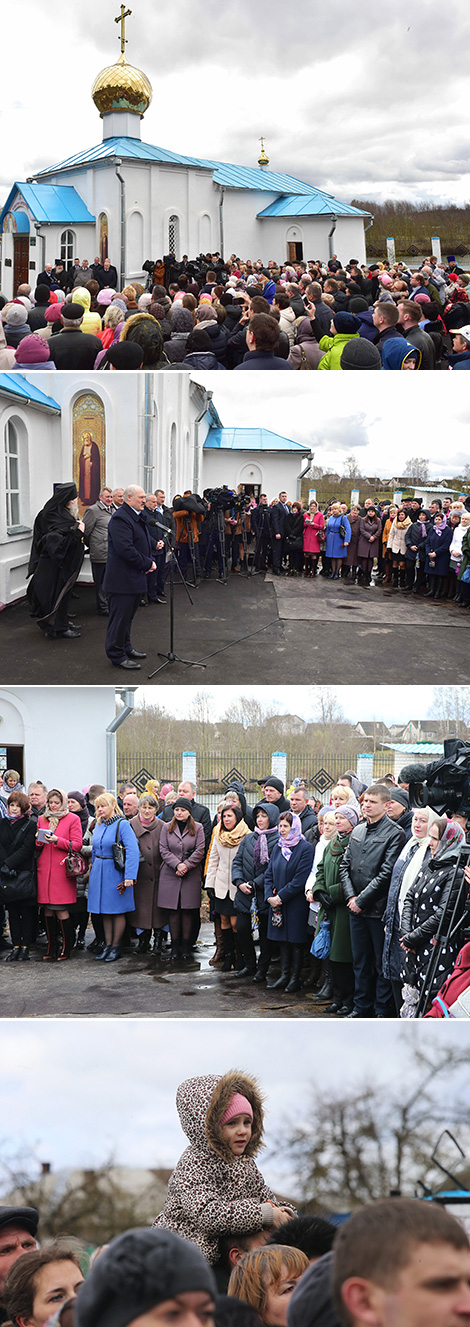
column 418, row 468
column 326, row 708
column 355, row 1145
column 451, row 705
column 93, row 1204
column 249, row 712
column 351, row 468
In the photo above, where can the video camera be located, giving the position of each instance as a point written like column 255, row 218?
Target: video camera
column 149, row 266
column 220, row 498
column 444, row 784
column 241, row 501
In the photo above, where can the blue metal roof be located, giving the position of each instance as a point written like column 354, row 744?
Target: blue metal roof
column 50, row 202
column 18, row 385
column 313, row 204
column 416, row 748
column 250, row 440
column 232, row 177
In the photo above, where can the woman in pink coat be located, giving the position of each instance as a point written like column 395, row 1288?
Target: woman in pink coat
column 314, row 524
column 57, row 829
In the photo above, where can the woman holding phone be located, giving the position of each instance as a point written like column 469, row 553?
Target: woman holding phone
column 58, row 829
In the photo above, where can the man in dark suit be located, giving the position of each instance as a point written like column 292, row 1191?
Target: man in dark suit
column 155, row 516
column 125, row 581
column 278, row 521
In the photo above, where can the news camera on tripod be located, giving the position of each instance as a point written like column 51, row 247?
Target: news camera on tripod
column 189, row 510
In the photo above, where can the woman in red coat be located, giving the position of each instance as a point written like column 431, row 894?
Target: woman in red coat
column 57, row 829
column 314, row 525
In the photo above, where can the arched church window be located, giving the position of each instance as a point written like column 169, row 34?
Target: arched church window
column 173, row 235
column 12, row 475
column 89, row 448
column 67, row 247
column 104, row 237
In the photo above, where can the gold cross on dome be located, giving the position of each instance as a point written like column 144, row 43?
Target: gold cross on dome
column 122, row 20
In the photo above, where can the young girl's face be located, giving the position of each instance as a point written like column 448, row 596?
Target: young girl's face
column 237, row 1133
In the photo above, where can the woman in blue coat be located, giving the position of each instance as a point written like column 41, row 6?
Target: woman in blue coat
column 437, row 548
column 336, row 541
column 284, row 888
column 111, row 892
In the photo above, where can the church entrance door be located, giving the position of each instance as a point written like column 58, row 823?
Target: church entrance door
column 20, row 261
column 12, row 757
column 295, row 252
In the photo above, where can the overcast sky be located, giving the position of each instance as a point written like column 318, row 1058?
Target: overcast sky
column 353, row 421
column 81, row 1091
column 362, row 100
column 391, row 704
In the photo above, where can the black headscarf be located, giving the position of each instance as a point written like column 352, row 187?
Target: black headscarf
column 53, row 517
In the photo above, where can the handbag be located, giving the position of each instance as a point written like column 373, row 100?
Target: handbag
column 466, row 575
column 18, row 887
column 322, row 943
column 342, row 530
column 75, row 864
column 119, row 851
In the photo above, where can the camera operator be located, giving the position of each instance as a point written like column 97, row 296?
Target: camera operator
column 189, row 510
column 241, row 534
column 217, row 529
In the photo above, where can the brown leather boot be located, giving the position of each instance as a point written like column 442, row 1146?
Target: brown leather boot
column 219, row 955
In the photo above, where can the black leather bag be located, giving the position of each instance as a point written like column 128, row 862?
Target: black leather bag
column 119, row 851
column 18, row 887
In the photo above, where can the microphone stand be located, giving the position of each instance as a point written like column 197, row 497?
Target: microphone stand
column 172, row 563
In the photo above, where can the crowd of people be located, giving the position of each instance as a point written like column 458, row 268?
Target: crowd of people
column 129, row 535
column 227, row 1252
column 347, row 899
column 214, row 314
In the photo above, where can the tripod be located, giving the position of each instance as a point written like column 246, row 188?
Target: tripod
column 192, row 550
column 220, row 531
column 172, row 563
column 450, row 924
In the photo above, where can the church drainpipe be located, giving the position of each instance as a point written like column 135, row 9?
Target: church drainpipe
column 303, row 473
column 366, row 228
column 221, row 217
column 330, row 237
column 127, row 695
column 122, row 182
column 197, row 422
column 148, row 419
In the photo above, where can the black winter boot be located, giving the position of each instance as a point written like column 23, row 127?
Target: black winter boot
column 50, row 923
column 281, row 983
column 247, row 950
column 143, row 944
column 297, row 960
column 228, row 941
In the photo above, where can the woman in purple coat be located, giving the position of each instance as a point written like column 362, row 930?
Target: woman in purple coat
column 285, row 877
column 370, row 530
column 182, row 848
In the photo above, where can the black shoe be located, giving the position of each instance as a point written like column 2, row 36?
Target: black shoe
column 103, row 612
column 136, row 654
column 127, row 663
column 143, row 944
column 14, row 955
column 247, row 971
column 24, row 956
column 74, row 626
column 161, row 599
column 356, row 1014
column 69, row 634
column 344, row 1011
column 113, row 953
column 104, row 953
column 142, row 603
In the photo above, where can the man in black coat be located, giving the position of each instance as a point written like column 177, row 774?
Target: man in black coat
column 106, row 275
column 125, row 581
column 299, row 805
column 278, row 521
column 71, row 348
column 365, row 873
column 261, row 525
column 273, row 791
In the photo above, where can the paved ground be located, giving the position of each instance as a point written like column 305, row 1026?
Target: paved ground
column 322, row 631
column 140, row 986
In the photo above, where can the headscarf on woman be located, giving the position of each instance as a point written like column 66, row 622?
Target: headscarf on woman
column 451, row 840
column 54, row 816
column 261, row 849
column 417, row 857
column 294, row 836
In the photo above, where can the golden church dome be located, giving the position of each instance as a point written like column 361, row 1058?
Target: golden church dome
column 121, row 87
column 263, row 160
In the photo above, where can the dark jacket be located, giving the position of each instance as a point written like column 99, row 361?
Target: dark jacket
column 367, row 865
column 17, row 843
column 278, row 522
column 74, row 349
column 415, row 534
column 307, row 819
column 262, row 359
column 392, row 956
column 243, row 866
column 129, row 553
column 289, row 879
column 440, row 544
column 431, row 896
column 422, row 340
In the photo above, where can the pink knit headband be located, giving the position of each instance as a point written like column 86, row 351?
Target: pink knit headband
column 238, row 1105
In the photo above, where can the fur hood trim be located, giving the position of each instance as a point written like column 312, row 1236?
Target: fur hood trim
column 202, row 1102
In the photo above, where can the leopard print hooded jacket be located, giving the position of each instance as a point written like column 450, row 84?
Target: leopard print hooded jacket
column 212, row 1193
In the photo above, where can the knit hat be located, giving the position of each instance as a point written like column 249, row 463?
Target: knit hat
column 238, row 1105
column 53, row 313
column 185, row 803
column 346, row 323
column 125, row 355
column 272, row 782
column 349, row 813
column 105, row 296
column 400, row 795
column 78, row 797
column 42, row 294
column 360, row 354
column 32, row 350
column 139, row 1270
column 165, row 788
column 17, row 315
column 358, row 304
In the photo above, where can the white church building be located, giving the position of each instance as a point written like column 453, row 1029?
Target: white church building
column 159, row 430
column 132, row 201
